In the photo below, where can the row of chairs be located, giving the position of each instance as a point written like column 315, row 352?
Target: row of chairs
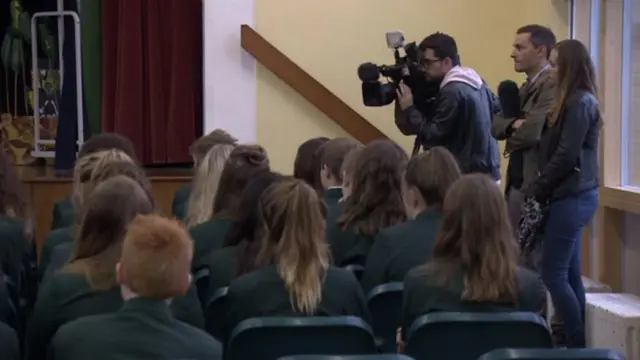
column 501, row 354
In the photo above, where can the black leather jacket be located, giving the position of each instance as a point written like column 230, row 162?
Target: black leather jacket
column 568, row 151
column 462, row 124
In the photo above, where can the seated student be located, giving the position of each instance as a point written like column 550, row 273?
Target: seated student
column 292, row 275
column 474, row 265
column 104, row 170
column 240, row 246
column 398, row 249
column 331, row 156
column 374, row 203
column 64, row 210
column 87, row 285
column 198, row 151
column 306, row 166
column 243, row 164
column 81, row 175
column 153, row 269
column 205, row 185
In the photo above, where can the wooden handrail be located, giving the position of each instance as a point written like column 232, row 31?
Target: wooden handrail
column 310, row 88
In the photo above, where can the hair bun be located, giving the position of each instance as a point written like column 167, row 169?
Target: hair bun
column 254, row 155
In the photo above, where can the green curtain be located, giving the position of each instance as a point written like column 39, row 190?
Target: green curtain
column 91, row 20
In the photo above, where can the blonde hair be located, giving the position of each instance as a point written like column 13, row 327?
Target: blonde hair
column 83, row 170
column 293, row 226
column 205, row 185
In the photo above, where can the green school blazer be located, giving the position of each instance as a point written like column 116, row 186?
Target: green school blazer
column 64, row 214
column 207, row 237
column 180, row 201
column 332, row 196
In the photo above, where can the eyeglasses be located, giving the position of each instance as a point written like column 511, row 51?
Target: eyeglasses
column 426, row 62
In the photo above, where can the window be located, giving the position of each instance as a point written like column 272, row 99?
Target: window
column 630, row 116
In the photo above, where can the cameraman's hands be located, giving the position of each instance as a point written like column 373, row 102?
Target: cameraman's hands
column 404, row 96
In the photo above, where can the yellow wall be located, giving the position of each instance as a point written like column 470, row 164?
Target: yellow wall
column 330, row 38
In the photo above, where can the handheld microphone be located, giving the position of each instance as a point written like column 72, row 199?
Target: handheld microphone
column 368, row 72
column 509, row 95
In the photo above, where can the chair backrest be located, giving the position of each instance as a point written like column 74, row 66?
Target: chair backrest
column 201, row 279
column 9, row 345
column 274, row 337
column 348, row 357
column 356, row 269
column 215, row 312
column 463, row 336
column 385, row 305
column 552, row 354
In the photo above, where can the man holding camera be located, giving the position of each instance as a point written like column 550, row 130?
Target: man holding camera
column 464, row 109
column 531, row 51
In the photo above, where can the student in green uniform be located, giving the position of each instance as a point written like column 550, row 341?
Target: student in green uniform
column 375, row 202
column 293, row 276
column 306, row 166
column 474, row 265
column 205, row 185
column 103, row 169
column 243, row 164
column 153, row 269
column 331, row 156
column 81, row 188
column 398, row 249
column 64, row 213
column 87, row 284
column 198, row 151
column 238, row 255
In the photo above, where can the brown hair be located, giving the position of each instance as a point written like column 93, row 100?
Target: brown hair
column 156, row 257
column 107, row 141
column 432, row 172
column 376, row 196
column 575, row 72
column 244, row 162
column 201, row 146
column 307, row 164
column 476, row 238
column 349, row 161
column 96, row 249
column 106, row 169
column 292, row 217
column 13, row 199
column 333, row 152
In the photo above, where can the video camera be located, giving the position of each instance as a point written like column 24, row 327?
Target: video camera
column 406, row 69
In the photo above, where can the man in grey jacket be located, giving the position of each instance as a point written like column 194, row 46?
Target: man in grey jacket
column 465, row 107
column 531, row 51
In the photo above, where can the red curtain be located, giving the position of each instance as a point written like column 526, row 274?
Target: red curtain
column 152, row 75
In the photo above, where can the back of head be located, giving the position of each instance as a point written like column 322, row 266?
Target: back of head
column 201, row 146
column 244, row 162
column 333, row 153
column 375, row 201
column 432, row 173
column 307, row 164
column 244, row 226
column 108, row 211
column 205, row 184
column 107, row 141
column 106, row 169
column 293, row 237
column 156, row 258
column 476, row 238
column 84, row 168
column 443, row 46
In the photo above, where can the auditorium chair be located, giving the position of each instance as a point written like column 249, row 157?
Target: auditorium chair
column 385, row 305
column 552, row 354
column 215, row 312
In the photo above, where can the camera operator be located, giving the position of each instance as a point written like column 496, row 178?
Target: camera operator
column 465, row 107
column 530, row 54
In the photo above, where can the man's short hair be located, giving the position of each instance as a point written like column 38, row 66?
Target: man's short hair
column 539, row 36
column 201, row 146
column 107, row 141
column 333, row 152
column 443, row 45
column 156, row 257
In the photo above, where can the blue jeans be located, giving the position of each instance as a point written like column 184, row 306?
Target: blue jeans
column 560, row 265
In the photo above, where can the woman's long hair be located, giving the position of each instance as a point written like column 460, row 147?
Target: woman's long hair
column 432, row 172
column 476, row 238
column 375, row 201
column 109, row 209
column 13, row 199
column 293, row 221
column 205, row 185
column 243, row 164
column 244, row 230
column 307, row 163
column 574, row 72
column 82, row 185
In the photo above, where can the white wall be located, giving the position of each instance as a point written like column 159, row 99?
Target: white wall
column 229, row 80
